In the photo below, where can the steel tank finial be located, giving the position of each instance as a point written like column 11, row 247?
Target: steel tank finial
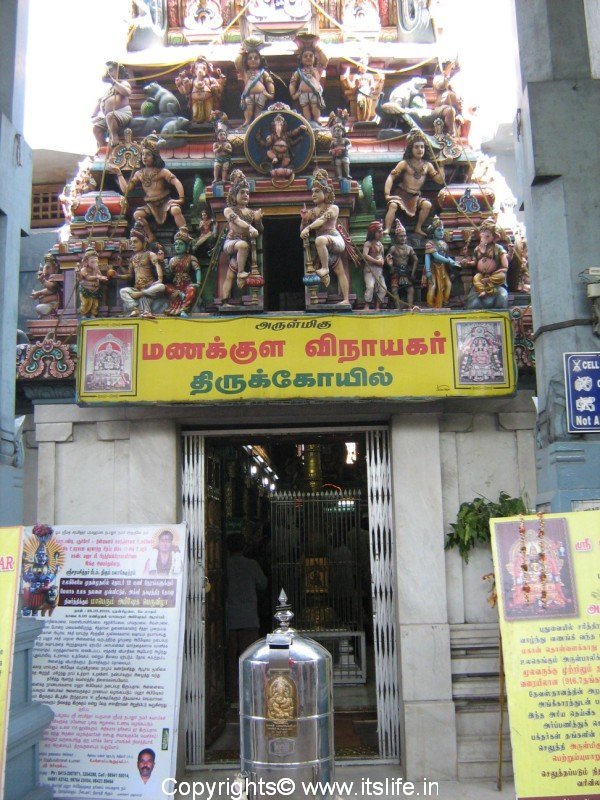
column 284, row 613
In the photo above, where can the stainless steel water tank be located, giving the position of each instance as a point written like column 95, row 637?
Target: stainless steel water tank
column 286, row 710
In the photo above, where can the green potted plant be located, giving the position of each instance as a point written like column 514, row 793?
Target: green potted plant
column 472, row 524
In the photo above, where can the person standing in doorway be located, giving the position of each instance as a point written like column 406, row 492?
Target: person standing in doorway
column 244, row 579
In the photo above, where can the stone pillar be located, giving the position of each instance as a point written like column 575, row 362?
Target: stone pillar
column 15, row 202
column 556, row 134
column 428, row 728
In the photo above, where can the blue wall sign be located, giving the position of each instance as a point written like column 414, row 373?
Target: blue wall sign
column 582, row 381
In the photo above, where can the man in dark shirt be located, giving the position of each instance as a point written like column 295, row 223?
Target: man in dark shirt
column 244, row 578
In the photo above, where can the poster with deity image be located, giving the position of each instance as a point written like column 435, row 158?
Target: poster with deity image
column 547, row 569
column 108, row 661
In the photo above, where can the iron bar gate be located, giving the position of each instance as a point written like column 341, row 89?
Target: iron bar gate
column 383, row 578
column 383, row 585
column 193, row 499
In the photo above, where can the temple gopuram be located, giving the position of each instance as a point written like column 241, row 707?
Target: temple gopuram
column 290, row 301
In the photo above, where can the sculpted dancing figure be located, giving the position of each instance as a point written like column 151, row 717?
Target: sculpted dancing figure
column 156, row 181
column 258, row 81
column 437, row 259
column 183, row 278
column 243, row 228
column 145, row 272
column 321, row 220
column 112, row 112
column 403, row 185
column 305, row 85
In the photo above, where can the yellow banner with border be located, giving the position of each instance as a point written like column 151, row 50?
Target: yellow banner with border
column 329, row 357
column 10, row 565
column 547, row 570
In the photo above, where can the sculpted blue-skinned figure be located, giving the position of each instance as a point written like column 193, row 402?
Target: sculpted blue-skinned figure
column 437, row 259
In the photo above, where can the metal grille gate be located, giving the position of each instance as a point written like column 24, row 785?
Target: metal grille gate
column 193, row 660
column 383, row 578
column 316, row 559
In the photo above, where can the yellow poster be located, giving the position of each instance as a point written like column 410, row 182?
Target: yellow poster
column 10, row 555
column 295, row 357
column 548, row 579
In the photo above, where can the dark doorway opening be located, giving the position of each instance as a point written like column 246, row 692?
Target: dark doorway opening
column 300, row 505
column 283, row 264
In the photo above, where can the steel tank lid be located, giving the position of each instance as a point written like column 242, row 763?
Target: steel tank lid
column 301, row 648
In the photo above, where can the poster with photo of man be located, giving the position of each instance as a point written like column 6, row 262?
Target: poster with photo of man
column 108, row 661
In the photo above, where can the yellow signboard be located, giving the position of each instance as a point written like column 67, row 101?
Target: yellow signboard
column 548, row 579
column 222, row 359
column 10, row 560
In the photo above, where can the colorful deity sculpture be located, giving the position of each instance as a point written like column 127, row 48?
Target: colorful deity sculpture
column 146, row 275
column 402, row 261
column 362, row 90
column 340, row 145
column 258, row 81
column 48, row 296
column 491, row 264
column 89, row 279
column 448, row 105
column 244, row 225
column 373, row 255
column 403, row 185
column 156, row 182
column 437, row 259
column 206, row 233
column 183, row 278
column 329, row 242
column 203, row 86
column 112, row 113
column 222, row 150
column 279, row 143
column 305, row 84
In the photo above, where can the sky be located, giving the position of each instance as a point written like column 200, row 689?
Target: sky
column 69, row 42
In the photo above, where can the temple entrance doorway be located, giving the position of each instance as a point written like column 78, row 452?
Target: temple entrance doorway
column 313, row 510
column 283, row 264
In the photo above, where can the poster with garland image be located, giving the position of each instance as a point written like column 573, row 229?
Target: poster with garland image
column 547, row 569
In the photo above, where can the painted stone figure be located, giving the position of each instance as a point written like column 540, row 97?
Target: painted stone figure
column 48, row 296
column 321, row 220
column 491, row 264
column 402, row 261
column 244, row 225
column 112, row 113
column 280, row 143
column 258, row 81
column 222, row 150
column 90, row 280
column 305, row 84
column 373, row 255
column 403, row 185
column 203, row 88
column 437, row 259
column 145, row 273
column 362, row 90
column 206, row 233
column 183, row 278
column 340, row 145
column 156, row 182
